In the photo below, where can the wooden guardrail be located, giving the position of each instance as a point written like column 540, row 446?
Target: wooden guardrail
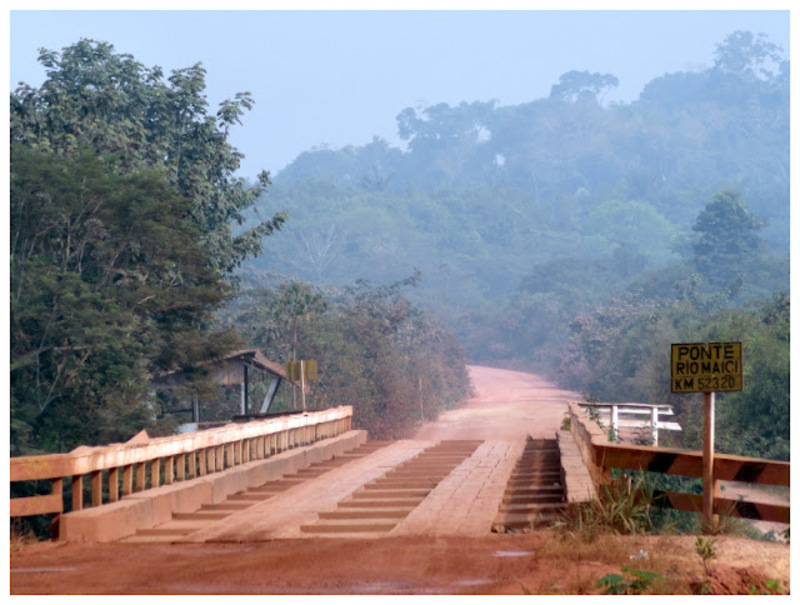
column 600, row 456
column 147, row 463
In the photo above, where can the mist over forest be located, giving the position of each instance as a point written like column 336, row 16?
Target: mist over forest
column 564, row 235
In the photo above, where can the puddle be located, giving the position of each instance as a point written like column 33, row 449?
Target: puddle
column 513, row 553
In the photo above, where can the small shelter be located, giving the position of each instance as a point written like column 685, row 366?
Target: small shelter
column 235, row 369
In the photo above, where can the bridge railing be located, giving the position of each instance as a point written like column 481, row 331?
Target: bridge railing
column 144, row 463
column 600, row 456
column 652, row 411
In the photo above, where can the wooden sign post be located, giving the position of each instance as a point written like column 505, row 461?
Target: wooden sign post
column 710, row 486
column 707, row 367
column 302, row 370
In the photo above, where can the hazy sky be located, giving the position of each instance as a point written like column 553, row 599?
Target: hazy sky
column 323, row 77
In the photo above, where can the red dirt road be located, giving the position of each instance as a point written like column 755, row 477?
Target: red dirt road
column 508, row 405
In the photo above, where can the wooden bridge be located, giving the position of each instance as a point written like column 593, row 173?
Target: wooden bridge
column 311, row 474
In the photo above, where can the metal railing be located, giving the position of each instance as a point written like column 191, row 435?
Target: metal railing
column 144, row 463
column 601, row 456
column 653, row 412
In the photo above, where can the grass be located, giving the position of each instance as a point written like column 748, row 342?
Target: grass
column 623, row 507
column 603, row 534
column 21, row 535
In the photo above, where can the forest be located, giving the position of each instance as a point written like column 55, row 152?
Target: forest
column 564, row 236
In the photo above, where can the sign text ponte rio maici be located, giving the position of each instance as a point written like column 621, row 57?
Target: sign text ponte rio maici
column 707, row 367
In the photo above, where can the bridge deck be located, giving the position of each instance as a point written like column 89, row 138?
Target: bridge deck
column 462, row 503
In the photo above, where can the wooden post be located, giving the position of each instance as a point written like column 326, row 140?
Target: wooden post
column 141, row 476
column 169, row 470
column 708, row 460
column 127, row 480
column 97, row 488
column 303, row 383
column 244, row 390
column 202, row 462
column 57, row 489
column 654, row 424
column 155, row 472
column 77, row 492
column 191, row 466
column 212, row 459
column 615, row 421
column 113, row 484
column 180, row 461
column 219, row 458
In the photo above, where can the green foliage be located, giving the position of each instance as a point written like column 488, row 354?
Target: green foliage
column 728, row 238
column 639, row 582
column 94, row 98
column 108, row 284
column 123, row 209
column 622, row 507
column 376, row 351
column 706, row 550
column 749, row 56
column 582, row 85
column 770, row 587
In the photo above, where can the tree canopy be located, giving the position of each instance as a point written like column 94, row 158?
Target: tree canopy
column 123, row 210
column 95, row 98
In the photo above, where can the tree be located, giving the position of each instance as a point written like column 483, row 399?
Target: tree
column 94, row 98
column 274, row 317
column 749, row 56
column 578, row 85
column 109, row 284
column 727, row 238
column 376, row 351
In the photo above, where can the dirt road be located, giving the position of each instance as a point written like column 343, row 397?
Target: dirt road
column 508, row 406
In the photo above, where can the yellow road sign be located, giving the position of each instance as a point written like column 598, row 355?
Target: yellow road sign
column 706, row 367
column 309, row 369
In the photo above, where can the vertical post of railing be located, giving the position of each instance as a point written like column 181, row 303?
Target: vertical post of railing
column 113, row 484
column 202, row 461
column 141, row 476
column 155, row 472
column 97, row 488
column 654, row 424
column 127, row 480
column 57, row 489
column 77, row 492
column 169, row 470
column 615, row 421
column 219, row 456
column 191, row 465
column 180, row 461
